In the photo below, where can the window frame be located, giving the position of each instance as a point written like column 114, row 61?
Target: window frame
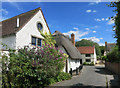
column 41, row 26
column 89, row 60
column 87, row 55
column 36, row 41
column 32, row 41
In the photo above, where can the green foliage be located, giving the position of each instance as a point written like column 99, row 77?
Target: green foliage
column 48, row 39
column 102, row 50
column 104, row 58
column 114, row 55
column 89, row 43
column 117, row 21
column 36, row 67
column 88, row 63
column 63, row 76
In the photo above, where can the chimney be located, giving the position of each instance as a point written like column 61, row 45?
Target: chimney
column 18, row 22
column 105, row 43
column 73, row 39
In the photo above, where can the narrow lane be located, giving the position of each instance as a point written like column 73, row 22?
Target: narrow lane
column 91, row 76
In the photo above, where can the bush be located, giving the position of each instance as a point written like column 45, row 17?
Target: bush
column 36, row 67
column 88, row 63
column 114, row 55
column 104, row 58
column 63, row 76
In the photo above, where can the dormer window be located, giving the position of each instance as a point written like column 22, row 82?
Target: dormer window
column 39, row 26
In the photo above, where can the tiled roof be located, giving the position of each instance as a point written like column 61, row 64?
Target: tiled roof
column 109, row 47
column 86, row 49
column 9, row 26
column 65, row 43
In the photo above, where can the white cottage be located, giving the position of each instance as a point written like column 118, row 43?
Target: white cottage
column 88, row 54
column 24, row 30
column 64, row 43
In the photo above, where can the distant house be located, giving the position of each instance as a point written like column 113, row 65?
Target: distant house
column 24, row 29
column 65, row 44
column 108, row 47
column 88, row 54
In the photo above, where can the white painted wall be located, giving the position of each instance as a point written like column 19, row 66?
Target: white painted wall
column 93, row 57
column 10, row 41
column 74, row 63
column 23, row 37
column 84, row 58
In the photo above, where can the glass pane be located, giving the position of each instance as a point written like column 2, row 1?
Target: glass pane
column 39, row 26
column 34, row 41
column 39, row 42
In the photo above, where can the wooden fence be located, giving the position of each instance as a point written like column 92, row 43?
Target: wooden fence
column 114, row 67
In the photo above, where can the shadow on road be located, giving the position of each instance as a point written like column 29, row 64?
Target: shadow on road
column 102, row 70
column 80, row 85
column 113, row 82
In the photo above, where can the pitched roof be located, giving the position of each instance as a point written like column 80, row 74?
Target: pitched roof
column 110, row 46
column 86, row 49
column 65, row 42
column 9, row 26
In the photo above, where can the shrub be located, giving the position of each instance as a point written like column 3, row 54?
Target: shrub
column 63, row 76
column 32, row 67
column 88, row 63
column 114, row 55
column 104, row 58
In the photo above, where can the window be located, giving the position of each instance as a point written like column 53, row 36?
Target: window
column 36, row 41
column 88, row 60
column 33, row 40
column 39, row 26
column 39, row 42
column 87, row 55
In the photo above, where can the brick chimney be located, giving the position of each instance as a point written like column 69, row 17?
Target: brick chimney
column 105, row 43
column 73, row 39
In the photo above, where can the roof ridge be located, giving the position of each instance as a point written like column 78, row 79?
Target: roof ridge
column 27, row 12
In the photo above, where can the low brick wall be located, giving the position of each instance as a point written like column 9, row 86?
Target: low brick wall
column 114, row 67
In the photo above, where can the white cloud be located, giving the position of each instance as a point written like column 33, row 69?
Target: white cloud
column 93, row 39
column 107, row 19
column 91, row 3
column 111, row 22
column 3, row 18
column 15, row 4
column 88, row 11
column 4, row 11
column 101, row 44
column 94, row 31
column 98, row 1
column 101, row 38
column 102, row 19
column 78, row 34
column 87, row 29
column 97, row 19
column 94, row 11
column 75, row 28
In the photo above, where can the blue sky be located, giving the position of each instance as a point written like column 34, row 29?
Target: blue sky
column 87, row 20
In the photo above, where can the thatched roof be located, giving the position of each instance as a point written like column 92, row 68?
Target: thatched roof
column 65, row 42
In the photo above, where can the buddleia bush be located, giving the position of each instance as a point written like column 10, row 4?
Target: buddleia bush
column 32, row 67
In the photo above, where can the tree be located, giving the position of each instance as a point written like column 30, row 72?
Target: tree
column 102, row 50
column 117, row 21
column 89, row 43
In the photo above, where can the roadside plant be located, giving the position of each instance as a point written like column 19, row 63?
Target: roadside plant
column 32, row 67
